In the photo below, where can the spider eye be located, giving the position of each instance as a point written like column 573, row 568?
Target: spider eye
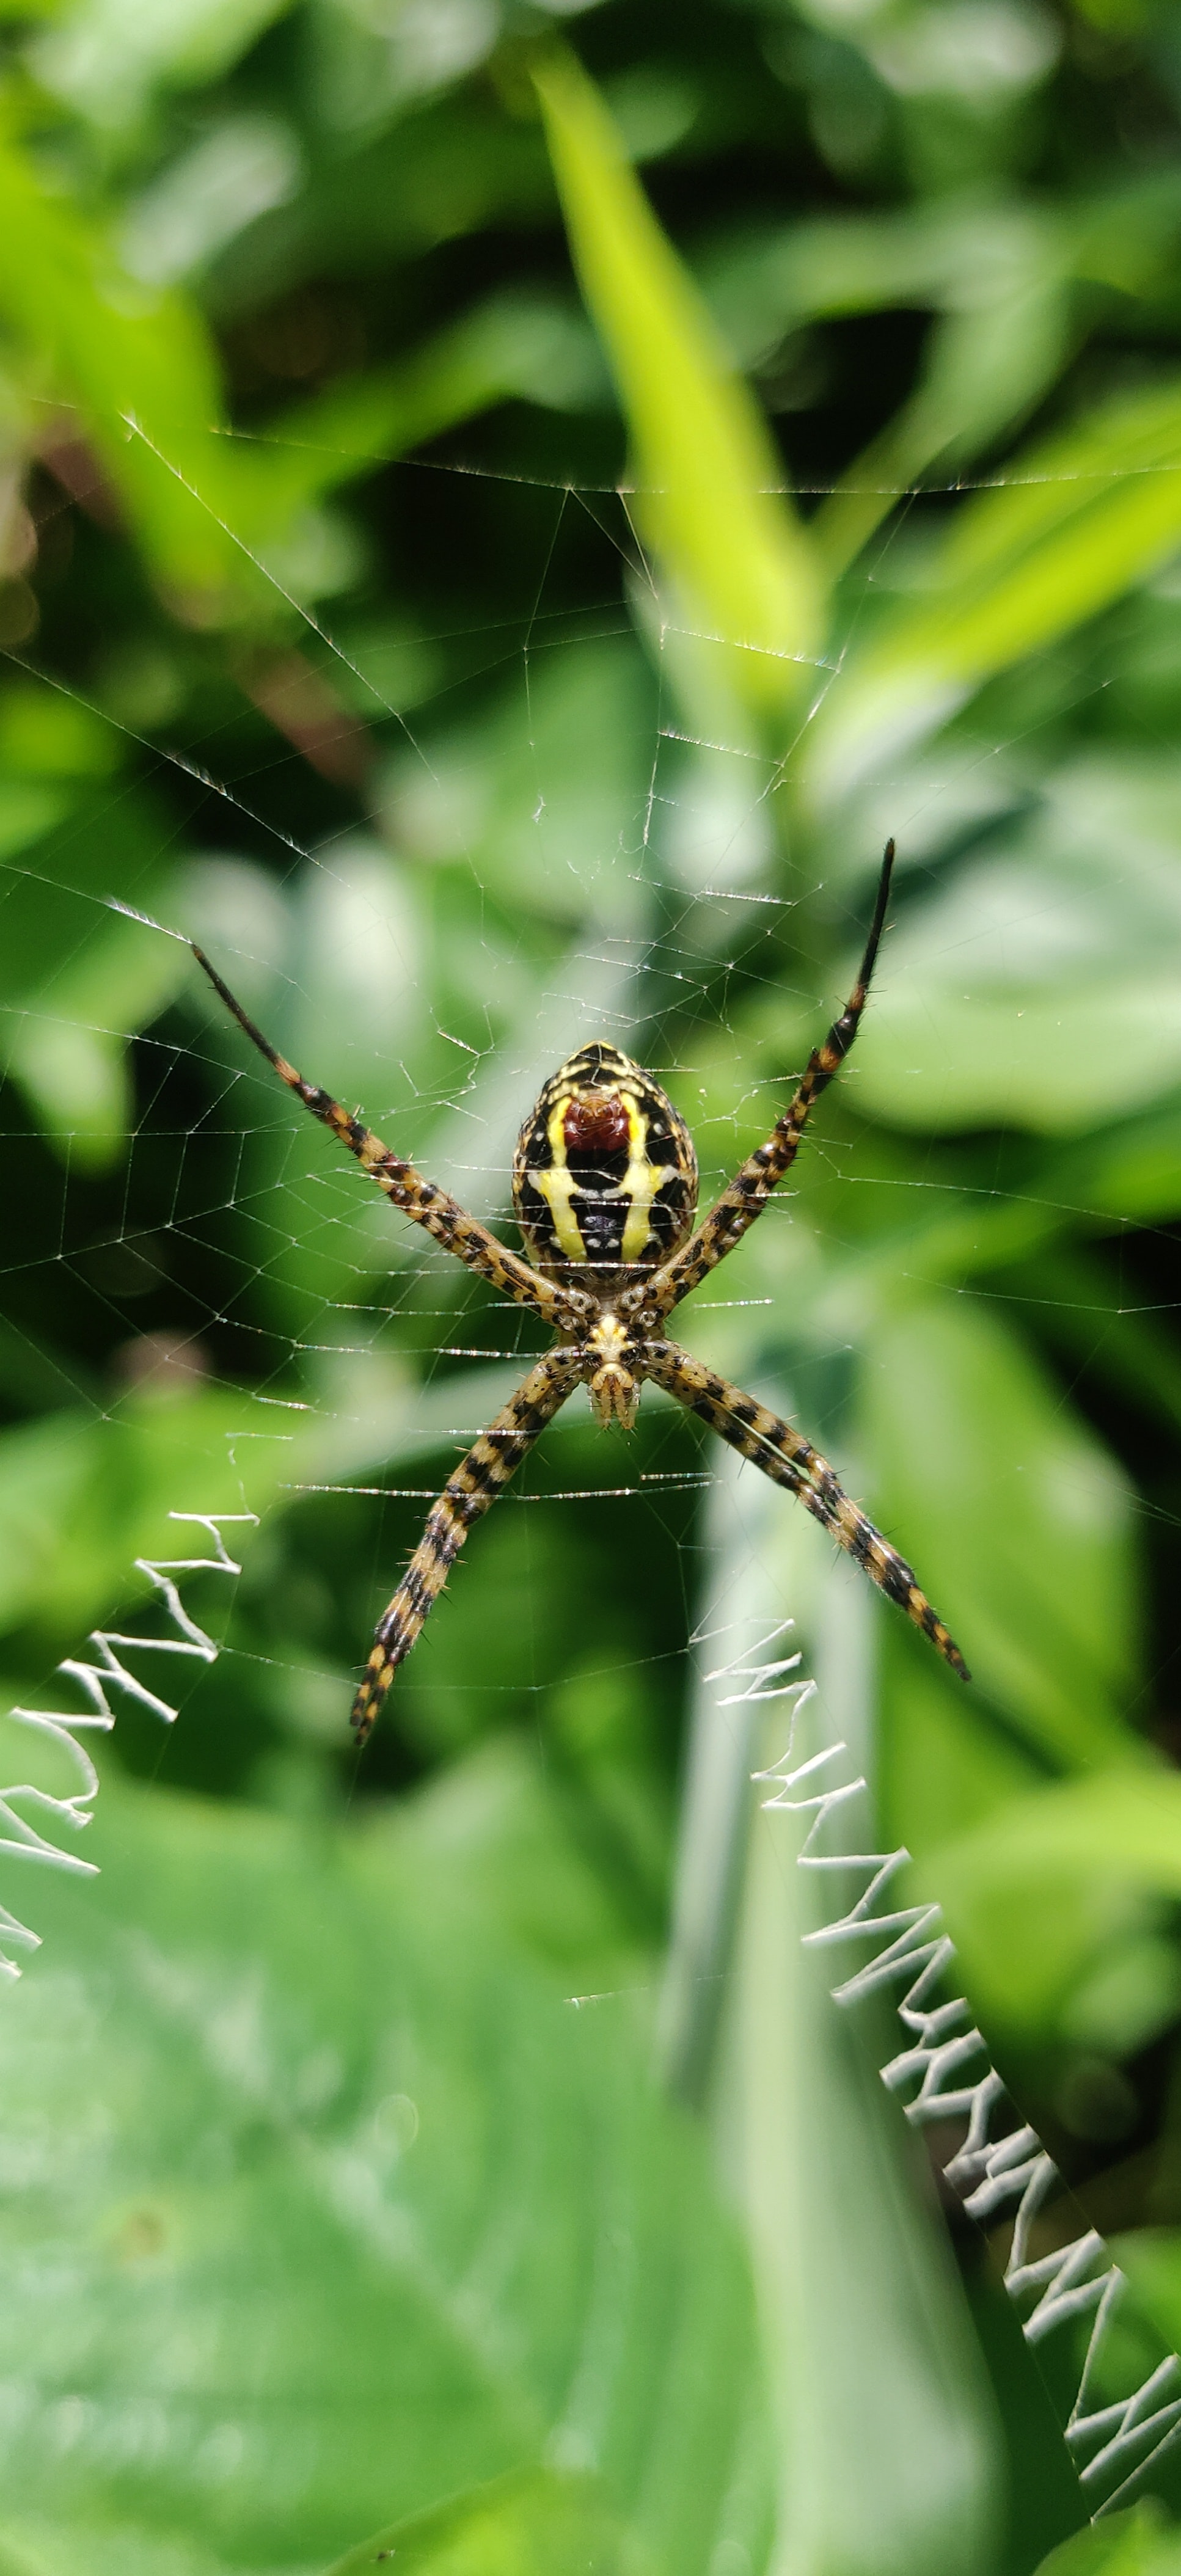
column 597, row 1124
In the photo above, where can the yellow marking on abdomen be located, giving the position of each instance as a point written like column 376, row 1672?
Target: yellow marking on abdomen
column 639, row 1187
column 557, row 1184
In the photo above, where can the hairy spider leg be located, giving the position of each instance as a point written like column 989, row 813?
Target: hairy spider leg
column 564, row 1307
column 473, row 1488
column 789, row 1459
column 751, row 1187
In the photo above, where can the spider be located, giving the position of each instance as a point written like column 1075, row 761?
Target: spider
column 605, row 1193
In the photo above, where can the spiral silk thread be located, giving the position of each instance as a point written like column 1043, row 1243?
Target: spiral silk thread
column 95, row 1682
column 1000, row 2169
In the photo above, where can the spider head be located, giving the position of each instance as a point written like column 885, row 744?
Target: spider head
column 604, row 1176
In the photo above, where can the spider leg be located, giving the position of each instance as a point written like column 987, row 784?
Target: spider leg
column 789, row 1459
column 443, row 1217
column 473, row 1488
column 751, row 1187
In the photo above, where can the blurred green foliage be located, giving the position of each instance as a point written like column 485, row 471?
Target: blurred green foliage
column 466, row 664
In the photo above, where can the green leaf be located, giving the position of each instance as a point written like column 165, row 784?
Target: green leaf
column 77, row 978
column 736, row 559
column 1078, row 521
column 82, row 1494
column 1013, row 991
column 1123, row 2544
column 46, row 734
column 38, row 2546
column 1045, row 1898
column 70, row 1055
column 944, row 1764
column 1015, row 1520
column 321, row 2208
column 539, row 2524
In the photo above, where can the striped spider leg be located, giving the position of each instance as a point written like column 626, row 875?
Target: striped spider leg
column 780, row 1451
column 748, row 1192
column 788, row 1459
column 567, row 1308
column 495, row 1457
column 474, row 1487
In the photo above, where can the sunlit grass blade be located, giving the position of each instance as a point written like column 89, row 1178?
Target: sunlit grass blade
column 727, row 544
column 884, row 2438
column 1077, row 522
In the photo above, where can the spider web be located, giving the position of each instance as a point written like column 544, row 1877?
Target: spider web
column 646, row 901
column 552, row 837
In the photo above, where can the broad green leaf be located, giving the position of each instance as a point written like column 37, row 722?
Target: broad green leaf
column 322, row 2208
column 1025, row 978
column 509, row 1837
column 1046, row 1901
column 57, row 902
column 82, row 1494
column 944, row 1765
column 68, row 1050
column 1132, row 1171
column 41, row 2547
column 1014, row 1517
column 77, row 979
column 1123, row 2544
column 949, row 256
column 1078, row 522
column 539, row 2524
column 954, row 254
column 946, row 1059
column 734, row 556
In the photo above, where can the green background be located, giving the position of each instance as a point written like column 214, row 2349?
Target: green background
column 502, row 511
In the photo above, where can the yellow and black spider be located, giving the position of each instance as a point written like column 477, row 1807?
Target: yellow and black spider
column 605, row 1192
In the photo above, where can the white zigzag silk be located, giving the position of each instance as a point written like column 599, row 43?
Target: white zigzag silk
column 95, row 1681
column 944, row 2074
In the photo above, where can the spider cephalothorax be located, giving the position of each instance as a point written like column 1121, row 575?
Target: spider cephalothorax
column 605, row 1190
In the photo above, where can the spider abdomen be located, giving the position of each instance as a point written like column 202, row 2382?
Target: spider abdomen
column 604, row 1175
